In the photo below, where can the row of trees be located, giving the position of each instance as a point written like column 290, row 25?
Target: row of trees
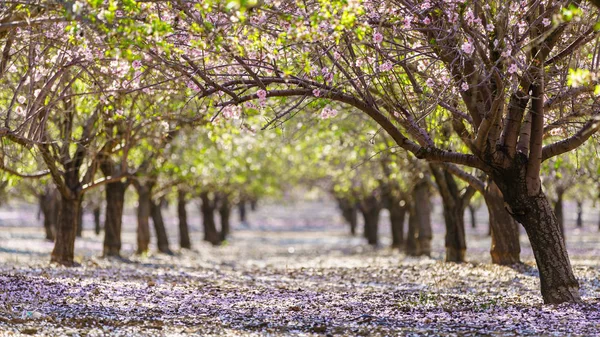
column 483, row 92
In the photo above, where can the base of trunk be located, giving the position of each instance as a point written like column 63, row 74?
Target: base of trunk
column 455, row 254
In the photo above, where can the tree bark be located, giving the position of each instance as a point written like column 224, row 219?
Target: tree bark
column 397, row 215
column 115, row 201
column 411, row 246
column 349, row 213
column 143, row 217
column 80, row 219
column 422, row 198
column 506, row 248
column 184, row 233
column 50, row 206
column 559, row 210
column 579, row 213
column 242, row 211
column 208, row 219
column 370, row 209
column 533, row 210
column 162, row 239
column 97, row 227
column 64, row 245
column 472, row 212
column 225, row 212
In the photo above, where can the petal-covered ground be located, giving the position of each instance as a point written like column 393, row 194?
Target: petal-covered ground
column 273, row 281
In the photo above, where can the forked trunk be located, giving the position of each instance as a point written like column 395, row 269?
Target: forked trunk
column 64, row 245
column 162, row 240
column 534, row 212
column 505, row 230
column 143, row 217
column 115, row 200
column 224, row 212
column 184, row 233
column 208, row 220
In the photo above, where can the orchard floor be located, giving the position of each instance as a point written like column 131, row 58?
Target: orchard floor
column 280, row 279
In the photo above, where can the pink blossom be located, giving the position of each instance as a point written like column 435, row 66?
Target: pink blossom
column 136, row 64
column 262, row 94
column 386, row 66
column 513, row 68
column 468, row 48
column 328, row 112
column 464, row 86
column 546, row 22
column 377, row 37
column 430, row 82
column 427, row 20
column 316, row 92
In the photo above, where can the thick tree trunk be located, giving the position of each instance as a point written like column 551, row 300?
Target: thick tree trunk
column 534, row 212
column 115, row 201
column 80, row 219
column 64, row 245
column 397, row 215
column 472, row 212
column 50, row 206
column 162, row 239
column 184, row 233
column 349, row 213
column 579, row 213
column 97, row 227
column 505, row 230
column 422, row 199
column 143, row 216
column 208, row 220
column 225, row 212
column 242, row 211
column 411, row 246
column 559, row 210
column 370, row 210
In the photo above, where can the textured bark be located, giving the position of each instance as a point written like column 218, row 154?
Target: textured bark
column 349, row 213
column 559, row 210
column 115, row 201
column 162, row 240
column 506, row 248
column 454, row 208
column 579, row 213
column 534, row 212
column 208, row 219
column 224, row 212
column 184, row 233
column 143, row 217
column 80, row 219
column 97, row 227
column 422, row 198
column 64, row 245
column 370, row 208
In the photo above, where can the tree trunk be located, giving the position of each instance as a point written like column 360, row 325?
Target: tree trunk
column 454, row 209
column 422, row 198
column 143, row 216
column 559, row 210
column 97, row 220
column 472, row 211
column 224, row 212
column 159, row 227
column 80, row 219
column 370, row 209
column 64, row 245
column 242, row 210
column 115, row 201
column 412, row 236
column 534, row 212
column 397, row 215
column 505, row 230
column 579, row 213
column 50, row 206
column 184, row 233
column 349, row 213
column 208, row 220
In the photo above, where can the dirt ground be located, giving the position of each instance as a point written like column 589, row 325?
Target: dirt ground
column 294, row 271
